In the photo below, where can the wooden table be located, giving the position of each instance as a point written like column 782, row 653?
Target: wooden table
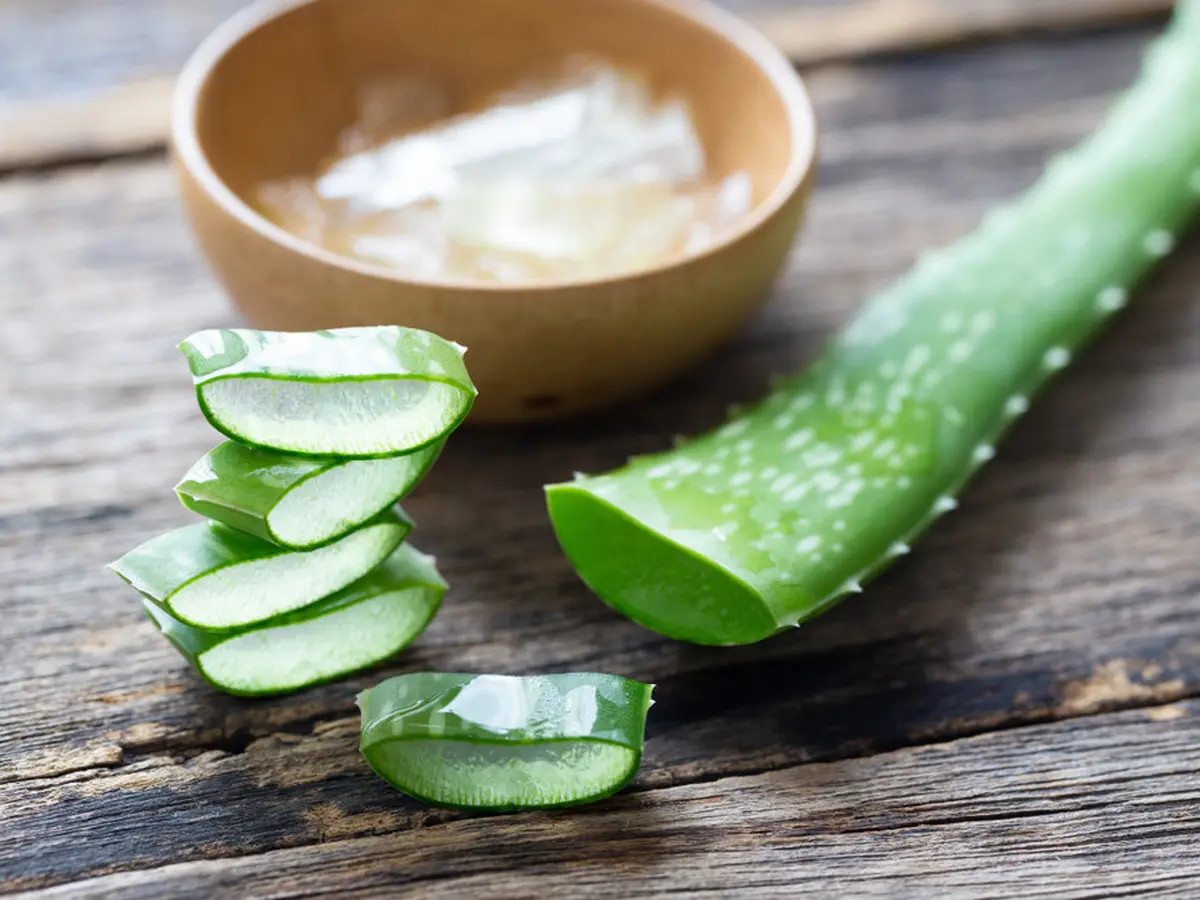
column 1009, row 712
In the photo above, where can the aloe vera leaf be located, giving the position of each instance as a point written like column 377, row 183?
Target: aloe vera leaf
column 794, row 503
column 297, row 502
column 349, row 392
column 363, row 624
column 502, row 742
column 217, row 578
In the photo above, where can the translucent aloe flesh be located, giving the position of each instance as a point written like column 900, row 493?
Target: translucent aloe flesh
column 213, row 577
column 501, row 742
column 363, row 624
column 794, row 503
column 348, row 392
column 297, row 502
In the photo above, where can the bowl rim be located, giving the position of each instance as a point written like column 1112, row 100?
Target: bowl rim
column 785, row 80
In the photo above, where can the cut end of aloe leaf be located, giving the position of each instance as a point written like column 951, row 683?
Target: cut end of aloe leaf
column 463, row 775
column 350, row 392
column 289, row 657
column 213, row 577
column 499, row 742
column 352, row 418
column 658, row 583
column 358, row 627
column 297, row 502
column 343, row 496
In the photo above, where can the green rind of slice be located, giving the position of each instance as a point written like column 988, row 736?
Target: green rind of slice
column 359, row 626
column 360, row 393
column 505, row 743
column 796, row 502
column 216, row 578
column 297, row 502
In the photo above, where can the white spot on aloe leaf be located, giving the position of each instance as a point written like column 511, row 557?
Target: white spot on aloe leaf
column 945, row 504
column 983, row 321
column 808, row 544
column 796, row 493
column 801, row 402
column 983, row 453
column 1057, row 357
column 898, row 549
column 1016, row 405
column 951, row 322
column 798, row 439
column 960, row 350
column 1112, row 298
column 1159, row 242
column 783, row 482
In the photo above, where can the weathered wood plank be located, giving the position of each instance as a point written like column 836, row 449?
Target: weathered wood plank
column 857, row 28
column 1065, row 586
column 1099, row 807
column 81, row 80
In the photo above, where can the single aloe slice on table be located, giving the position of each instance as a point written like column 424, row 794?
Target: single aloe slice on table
column 501, row 742
column 348, row 392
column 294, row 501
column 213, row 577
column 792, row 504
column 361, row 625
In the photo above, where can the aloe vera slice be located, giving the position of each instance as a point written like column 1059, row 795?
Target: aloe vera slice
column 354, row 392
column 214, row 577
column 793, row 504
column 501, row 742
column 363, row 624
column 297, row 502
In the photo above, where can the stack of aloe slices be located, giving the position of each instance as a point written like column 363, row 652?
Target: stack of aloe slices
column 301, row 573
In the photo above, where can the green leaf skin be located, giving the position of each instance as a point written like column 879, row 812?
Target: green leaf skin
column 359, row 626
column 793, row 504
column 359, row 393
column 502, row 742
column 247, row 489
column 213, row 577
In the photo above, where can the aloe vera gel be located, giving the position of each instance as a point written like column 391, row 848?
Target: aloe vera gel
column 796, row 502
column 364, row 623
column 300, row 573
column 501, row 742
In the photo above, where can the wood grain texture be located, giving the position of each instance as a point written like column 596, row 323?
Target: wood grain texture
column 1102, row 807
column 1064, row 587
column 81, row 80
column 857, row 28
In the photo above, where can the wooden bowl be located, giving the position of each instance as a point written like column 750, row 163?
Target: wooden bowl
column 268, row 92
